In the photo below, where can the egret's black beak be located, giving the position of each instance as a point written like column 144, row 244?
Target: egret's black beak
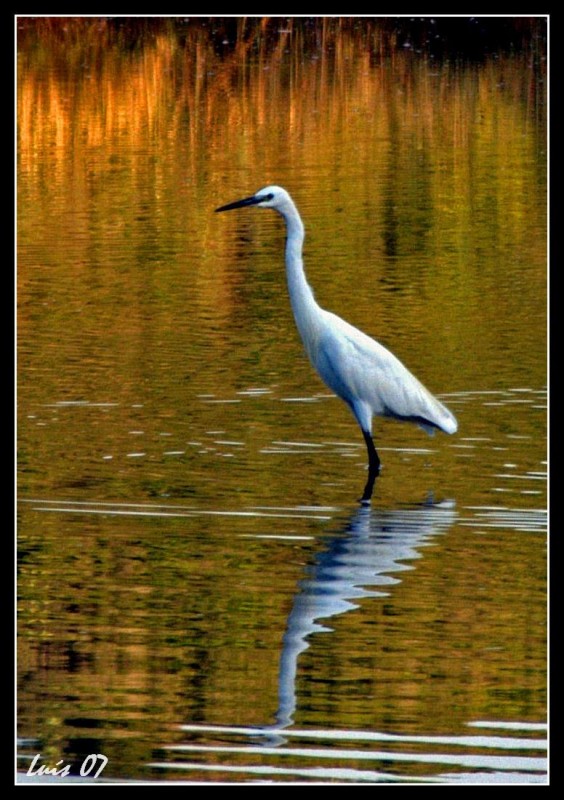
column 248, row 201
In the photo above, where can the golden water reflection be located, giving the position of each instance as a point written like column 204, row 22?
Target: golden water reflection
column 128, row 150
column 169, row 424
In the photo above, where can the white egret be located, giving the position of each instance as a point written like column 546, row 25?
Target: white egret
column 369, row 378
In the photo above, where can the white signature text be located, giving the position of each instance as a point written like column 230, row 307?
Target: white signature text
column 62, row 771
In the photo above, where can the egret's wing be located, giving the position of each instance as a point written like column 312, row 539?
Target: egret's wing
column 364, row 372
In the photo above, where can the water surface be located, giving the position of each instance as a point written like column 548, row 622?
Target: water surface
column 201, row 597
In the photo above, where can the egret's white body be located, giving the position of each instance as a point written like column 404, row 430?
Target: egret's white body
column 369, row 378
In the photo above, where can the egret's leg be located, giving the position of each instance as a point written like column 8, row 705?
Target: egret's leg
column 373, row 467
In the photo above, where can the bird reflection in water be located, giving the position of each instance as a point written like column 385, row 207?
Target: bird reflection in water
column 355, row 564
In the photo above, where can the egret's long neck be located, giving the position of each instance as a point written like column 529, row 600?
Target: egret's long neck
column 305, row 308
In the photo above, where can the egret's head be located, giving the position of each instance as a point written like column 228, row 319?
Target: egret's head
column 269, row 197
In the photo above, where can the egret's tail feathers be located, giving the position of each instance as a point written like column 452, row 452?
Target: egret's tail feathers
column 450, row 425
column 440, row 417
column 445, row 421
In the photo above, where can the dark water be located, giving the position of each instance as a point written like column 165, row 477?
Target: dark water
column 201, row 598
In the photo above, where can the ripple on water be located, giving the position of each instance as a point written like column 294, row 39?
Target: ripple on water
column 477, row 758
column 524, row 520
